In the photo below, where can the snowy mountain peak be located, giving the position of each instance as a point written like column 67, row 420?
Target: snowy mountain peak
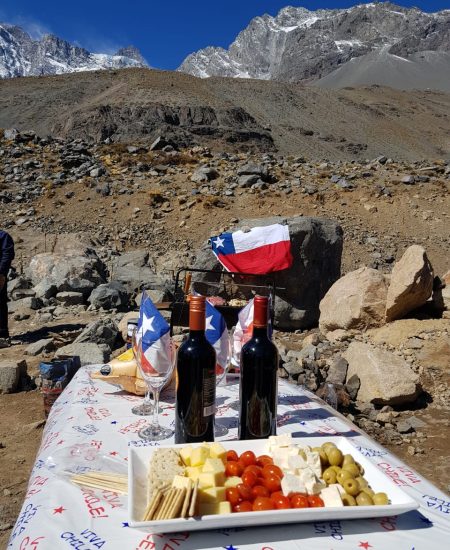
column 20, row 55
column 302, row 45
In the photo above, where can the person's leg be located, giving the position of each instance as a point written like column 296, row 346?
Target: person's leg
column 3, row 313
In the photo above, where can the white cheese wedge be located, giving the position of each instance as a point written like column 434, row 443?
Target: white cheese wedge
column 312, row 483
column 292, row 484
column 281, row 456
column 283, row 440
column 313, row 461
column 296, row 462
column 331, row 496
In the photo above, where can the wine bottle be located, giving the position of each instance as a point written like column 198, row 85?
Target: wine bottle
column 196, row 381
column 259, row 379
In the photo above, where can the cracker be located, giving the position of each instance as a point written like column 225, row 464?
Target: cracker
column 193, row 499
column 187, row 499
column 165, row 505
column 177, row 503
column 153, row 505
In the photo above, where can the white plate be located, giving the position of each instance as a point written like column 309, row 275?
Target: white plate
column 138, row 464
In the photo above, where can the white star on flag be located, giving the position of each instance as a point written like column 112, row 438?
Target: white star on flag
column 147, row 324
column 209, row 325
column 219, row 242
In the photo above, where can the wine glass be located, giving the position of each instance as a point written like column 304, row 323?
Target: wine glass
column 146, row 407
column 156, row 380
column 221, row 372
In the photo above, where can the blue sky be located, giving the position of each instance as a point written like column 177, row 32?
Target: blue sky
column 164, row 31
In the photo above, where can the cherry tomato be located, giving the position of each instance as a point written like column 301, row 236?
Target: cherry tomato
column 263, row 460
column 244, row 506
column 232, row 455
column 299, row 501
column 253, row 468
column 233, row 496
column 233, row 469
column 260, row 491
column 249, row 479
column 272, row 483
column 272, row 470
column 263, row 503
column 281, row 502
column 248, row 458
column 315, row 501
column 276, row 494
column 245, row 492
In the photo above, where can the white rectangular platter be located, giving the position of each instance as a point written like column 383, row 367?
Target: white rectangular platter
column 138, row 466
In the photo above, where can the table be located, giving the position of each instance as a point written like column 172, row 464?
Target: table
column 91, row 425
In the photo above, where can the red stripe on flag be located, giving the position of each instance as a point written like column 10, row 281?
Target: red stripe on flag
column 261, row 260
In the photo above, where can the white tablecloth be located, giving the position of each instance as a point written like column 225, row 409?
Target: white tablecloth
column 90, row 427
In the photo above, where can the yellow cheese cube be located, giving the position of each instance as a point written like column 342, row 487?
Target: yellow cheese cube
column 213, row 465
column 208, row 508
column 199, row 455
column 193, row 472
column 185, row 454
column 216, row 450
column 211, row 479
column 212, row 494
column 232, row 481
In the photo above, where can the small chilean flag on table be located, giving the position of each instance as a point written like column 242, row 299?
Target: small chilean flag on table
column 258, row 251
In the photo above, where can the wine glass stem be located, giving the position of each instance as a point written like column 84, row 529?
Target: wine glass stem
column 147, row 400
column 155, row 408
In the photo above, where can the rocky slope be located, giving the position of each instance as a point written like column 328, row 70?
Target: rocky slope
column 20, row 55
column 302, row 45
column 230, row 114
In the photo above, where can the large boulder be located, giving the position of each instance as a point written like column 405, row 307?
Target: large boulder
column 356, row 301
column 133, row 270
column 411, row 283
column 102, row 331
column 88, row 352
column 11, row 374
column 316, row 245
column 109, row 296
column 67, row 272
column 385, row 378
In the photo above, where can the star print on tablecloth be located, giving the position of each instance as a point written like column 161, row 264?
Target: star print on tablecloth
column 114, row 422
column 365, row 545
column 113, row 453
column 125, row 524
column 59, row 510
column 60, row 442
column 231, row 547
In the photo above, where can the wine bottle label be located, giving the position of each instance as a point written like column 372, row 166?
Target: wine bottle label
column 209, row 394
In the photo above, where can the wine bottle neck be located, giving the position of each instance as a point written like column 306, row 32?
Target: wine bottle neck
column 259, row 332
column 195, row 333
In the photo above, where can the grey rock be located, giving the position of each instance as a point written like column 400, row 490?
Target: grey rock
column 352, row 386
column 158, row 144
column 11, row 373
column 316, row 246
column 409, row 180
column 45, row 289
column 36, row 348
column 89, row 353
column 293, row 368
column 97, row 172
column 252, row 169
column 25, row 303
column 337, row 372
column 11, row 133
column 404, row 427
column 111, row 295
column 248, row 180
column 70, row 298
column 102, row 331
column 204, row 174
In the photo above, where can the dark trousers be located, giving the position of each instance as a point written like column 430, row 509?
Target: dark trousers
column 3, row 313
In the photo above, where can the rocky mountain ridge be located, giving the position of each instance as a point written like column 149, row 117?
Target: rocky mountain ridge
column 302, row 45
column 21, row 55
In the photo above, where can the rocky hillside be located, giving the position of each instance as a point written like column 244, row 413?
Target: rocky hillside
column 230, row 114
column 302, row 45
column 20, row 55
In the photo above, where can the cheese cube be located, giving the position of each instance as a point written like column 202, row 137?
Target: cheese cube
column 207, row 508
column 232, row 481
column 283, row 440
column 296, row 462
column 281, row 456
column 181, row 482
column 331, row 496
column 213, row 465
column 212, row 494
column 185, row 454
column 313, row 461
column 310, row 481
column 216, row 450
column 211, row 479
column 193, row 472
column 199, row 455
column 292, row 484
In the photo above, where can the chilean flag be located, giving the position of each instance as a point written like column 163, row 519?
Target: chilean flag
column 153, row 340
column 259, row 251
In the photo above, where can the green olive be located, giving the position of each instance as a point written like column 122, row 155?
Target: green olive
column 323, row 456
column 337, row 469
column 348, row 459
column 348, row 500
column 342, row 476
column 380, row 499
column 352, row 468
column 368, row 491
column 362, row 481
column 363, row 499
column 351, row 487
column 329, row 476
column 361, row 469
column 327, row 445
column 334, row 457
